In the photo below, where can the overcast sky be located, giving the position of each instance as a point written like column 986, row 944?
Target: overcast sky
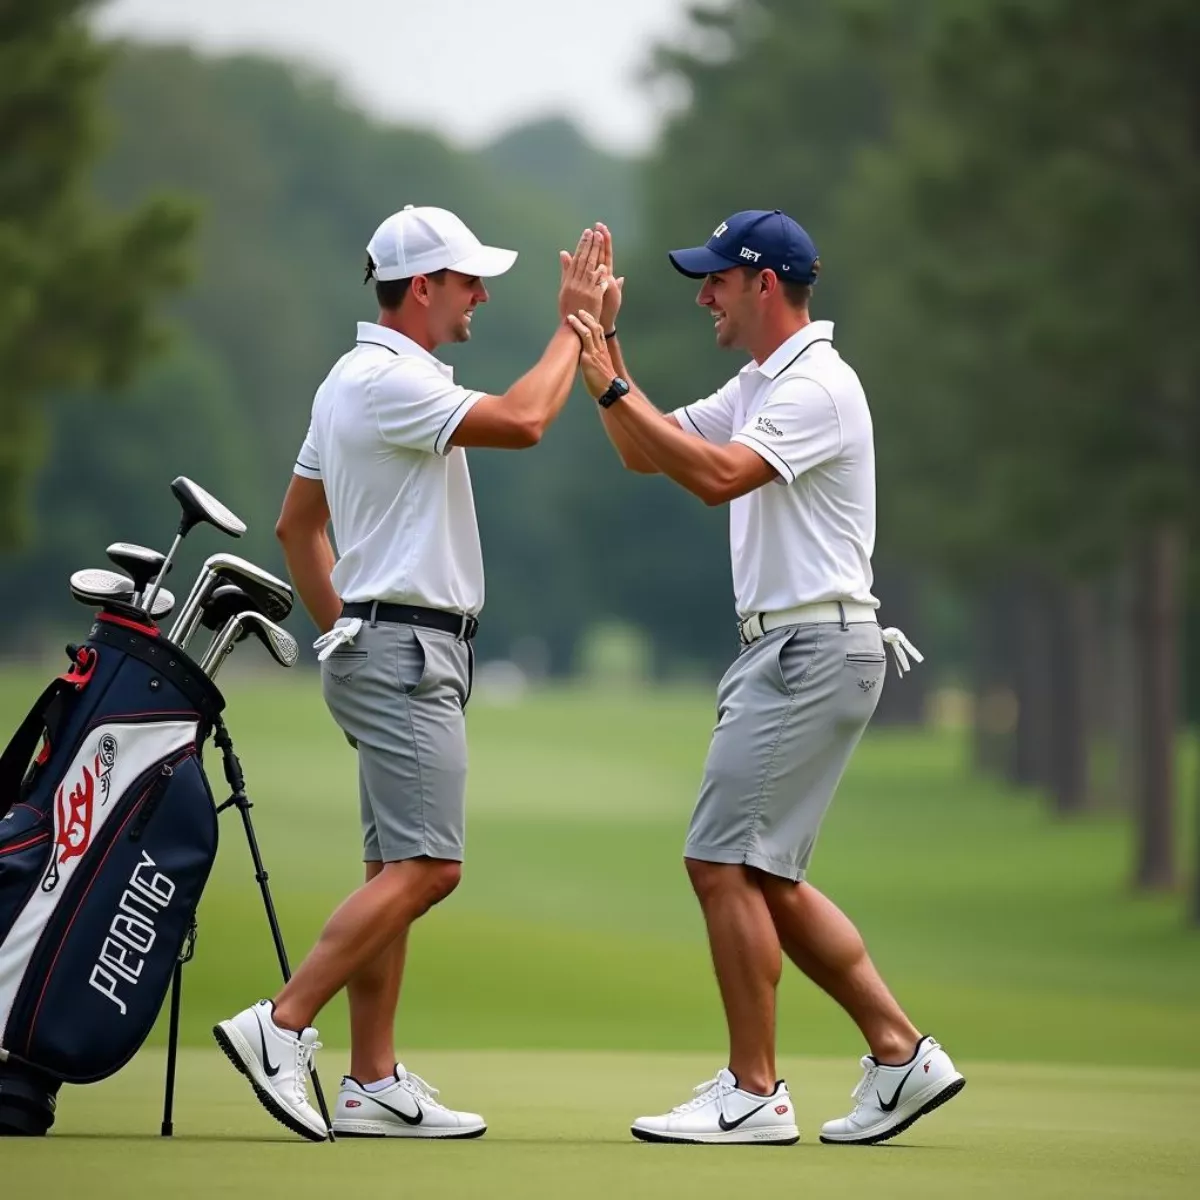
column 468, row 68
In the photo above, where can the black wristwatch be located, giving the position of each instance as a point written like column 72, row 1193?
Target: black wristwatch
column 616, row 390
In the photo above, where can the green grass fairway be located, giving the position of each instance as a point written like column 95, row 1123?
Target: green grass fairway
column 565, row 987
column 559, row 1128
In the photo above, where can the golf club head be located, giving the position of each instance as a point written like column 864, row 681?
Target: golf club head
column 140, row 563
column 227, row 601
column 279, row 643
column 269, row 594
column 164, row 602
column 198, row 505
column 95, row 585
column 195, row 505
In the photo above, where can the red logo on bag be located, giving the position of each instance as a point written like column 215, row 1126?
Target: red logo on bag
column 781, row 1109
column 354, row 1104
column 75, row 817
column 75, row 809
column 926, row 1068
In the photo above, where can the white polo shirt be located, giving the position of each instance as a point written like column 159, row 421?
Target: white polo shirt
column 808, row 537
column 399, row 494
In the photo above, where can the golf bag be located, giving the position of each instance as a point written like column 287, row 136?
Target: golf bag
column 108, row 833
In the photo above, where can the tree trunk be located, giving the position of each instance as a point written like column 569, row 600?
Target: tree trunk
column 1033, row 765
column 994, row 699
column 1160, row 560
column 1069, row 727
column 1195, row 914
column 1124, row 749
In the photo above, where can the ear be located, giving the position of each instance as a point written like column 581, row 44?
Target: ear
column 768, row 281
column 420, row 289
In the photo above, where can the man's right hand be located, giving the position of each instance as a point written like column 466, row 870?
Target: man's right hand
column 584, row 276
column 613, row 293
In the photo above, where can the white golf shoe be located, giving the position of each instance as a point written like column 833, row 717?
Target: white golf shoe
column 408, row 1108
column 890, row 1099
column 721, row 1112
column 275, row 1062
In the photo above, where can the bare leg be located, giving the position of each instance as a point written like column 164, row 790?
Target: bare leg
column 822, row 941
column 362, row 930
column 374, row 992
column 748, row 963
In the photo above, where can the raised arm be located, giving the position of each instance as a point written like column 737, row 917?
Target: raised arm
column 518, row 418
column 715, row 473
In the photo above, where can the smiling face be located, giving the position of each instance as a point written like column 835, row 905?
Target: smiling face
column 735, row 303
column 452, row 300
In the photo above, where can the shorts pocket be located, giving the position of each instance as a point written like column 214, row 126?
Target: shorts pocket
column 796, row 655
column 344, row 663
column 412, row 660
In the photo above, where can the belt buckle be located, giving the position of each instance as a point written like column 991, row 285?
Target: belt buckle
column 468, row 627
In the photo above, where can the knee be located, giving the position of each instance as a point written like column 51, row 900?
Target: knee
column 709, row 879
column 440, row 878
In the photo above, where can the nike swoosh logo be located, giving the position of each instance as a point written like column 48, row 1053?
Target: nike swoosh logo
column 728, row 1125
column 271, row 1069
column 888, row 1107
column 402, row 1115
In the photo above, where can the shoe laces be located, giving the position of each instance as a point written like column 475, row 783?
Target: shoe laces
column 704, row 1094
column 870, row 1071
column 418, row 1086
column 304, row 1057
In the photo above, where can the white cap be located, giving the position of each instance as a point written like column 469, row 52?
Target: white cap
column 419, row 241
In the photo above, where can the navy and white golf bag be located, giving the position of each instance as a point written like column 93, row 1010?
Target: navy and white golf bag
column 108, row 832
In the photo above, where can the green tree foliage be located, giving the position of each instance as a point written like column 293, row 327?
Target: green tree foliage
column 77, row 282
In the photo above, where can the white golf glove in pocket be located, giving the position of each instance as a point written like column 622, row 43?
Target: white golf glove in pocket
column 342, row 634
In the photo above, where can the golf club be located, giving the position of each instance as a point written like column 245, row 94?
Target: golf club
column 96, row 585
column 279, row 643
column 164, row 604
column 226, row 601
column 268, row 593
column 196, row 505
column 140, row 563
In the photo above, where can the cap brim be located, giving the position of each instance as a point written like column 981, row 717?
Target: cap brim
column 699, row 261
column 485, row 262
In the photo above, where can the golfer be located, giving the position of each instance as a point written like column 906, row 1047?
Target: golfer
column 788, row 444
column 385, row 461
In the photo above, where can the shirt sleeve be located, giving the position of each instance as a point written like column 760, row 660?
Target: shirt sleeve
column 712, row 417
column 418, row 407
column 308, row 461
column 797, row 429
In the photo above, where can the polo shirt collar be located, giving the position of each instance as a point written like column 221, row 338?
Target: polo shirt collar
column 800, row 341
column 381, row 335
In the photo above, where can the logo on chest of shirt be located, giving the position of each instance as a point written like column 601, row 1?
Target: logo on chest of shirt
column 766, row 425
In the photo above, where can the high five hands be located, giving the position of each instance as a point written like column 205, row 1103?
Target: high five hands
column 585, row 276
column 591, row 322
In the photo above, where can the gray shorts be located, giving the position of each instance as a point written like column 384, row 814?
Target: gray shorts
column 399, row 692
column 790, row 711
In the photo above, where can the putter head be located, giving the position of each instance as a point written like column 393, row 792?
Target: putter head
column 269, row 594
column 140, row 562
column 279, row 643
column 198, row 505
column 95, row 585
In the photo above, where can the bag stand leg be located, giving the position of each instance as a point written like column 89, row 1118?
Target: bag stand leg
column 168, row 1125
column 239, row 800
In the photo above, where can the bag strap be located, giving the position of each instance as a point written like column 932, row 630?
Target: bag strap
column 21, row 746
column 23, row 743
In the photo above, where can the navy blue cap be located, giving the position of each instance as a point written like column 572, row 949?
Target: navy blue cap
column 755, row 238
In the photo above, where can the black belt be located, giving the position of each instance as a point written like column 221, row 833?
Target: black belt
column 459, row 624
